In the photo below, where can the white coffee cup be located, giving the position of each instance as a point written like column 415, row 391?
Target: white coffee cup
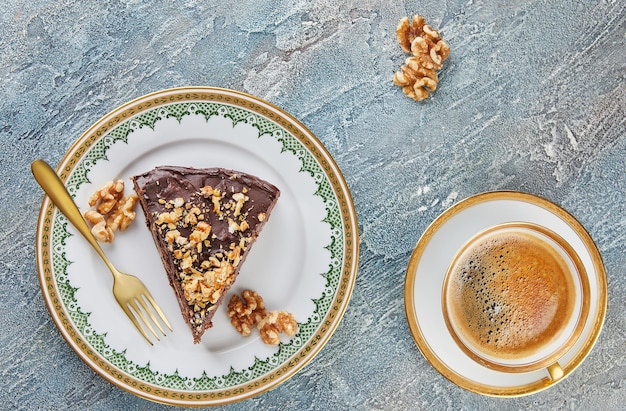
column 516, row 297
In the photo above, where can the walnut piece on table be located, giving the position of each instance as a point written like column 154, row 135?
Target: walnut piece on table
column 417, row 82
column 112, row 211
column 417, row 77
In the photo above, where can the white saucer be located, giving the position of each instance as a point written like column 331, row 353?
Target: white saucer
column 427, row 269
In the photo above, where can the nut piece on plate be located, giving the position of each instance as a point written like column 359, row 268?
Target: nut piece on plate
column 249, row 311
column 122, row 214
column 99, row 228
column 106, row 197
column 417, row 76
column 245, row 314
column 112, row 211
column 274, row 323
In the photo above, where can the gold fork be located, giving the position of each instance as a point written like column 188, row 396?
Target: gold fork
column 128, row 290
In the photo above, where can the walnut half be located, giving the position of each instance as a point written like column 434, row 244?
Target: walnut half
column 274, row 323
column 99, row 227
column 249, row 311
column 417, row 82
column 417, row 76
column 106, row 197
column 112, row 211
column 246, row 312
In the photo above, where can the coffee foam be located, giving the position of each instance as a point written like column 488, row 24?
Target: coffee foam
column 510, row 294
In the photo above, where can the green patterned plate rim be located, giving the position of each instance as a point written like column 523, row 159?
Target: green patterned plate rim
column 129, row 131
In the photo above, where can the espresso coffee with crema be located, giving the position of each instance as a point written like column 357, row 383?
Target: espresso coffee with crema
column 510, row 294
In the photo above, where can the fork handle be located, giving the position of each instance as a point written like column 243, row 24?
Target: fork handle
column 61, row 198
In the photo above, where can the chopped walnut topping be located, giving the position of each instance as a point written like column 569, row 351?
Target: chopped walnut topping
column 274, row 323
column 202, row 288
column 417, row 76
column 240, row 198
column 178, row 202
column 193, row 216
column 206, row 191
column 200, row 233
column 217, row 205
column 167, row 217
column 172, row 235
column 233, row 226
column 112, row 211
column 182, row 225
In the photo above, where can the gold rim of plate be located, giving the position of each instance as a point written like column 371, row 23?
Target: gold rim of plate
column 439, row 364
column 280, row 373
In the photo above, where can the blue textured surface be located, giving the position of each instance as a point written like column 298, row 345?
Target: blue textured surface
column 532, row 98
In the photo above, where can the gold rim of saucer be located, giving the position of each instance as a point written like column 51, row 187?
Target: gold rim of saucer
column 594, row 322
column 548, row 360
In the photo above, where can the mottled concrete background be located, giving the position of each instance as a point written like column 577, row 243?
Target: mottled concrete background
column 532, row 98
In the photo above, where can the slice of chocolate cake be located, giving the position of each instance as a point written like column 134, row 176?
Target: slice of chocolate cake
column 203, row 222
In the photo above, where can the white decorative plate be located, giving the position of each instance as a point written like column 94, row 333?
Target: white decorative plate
column 427, row 269
column 304, row 261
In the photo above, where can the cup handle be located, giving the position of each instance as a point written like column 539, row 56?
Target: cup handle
column 555, row 371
